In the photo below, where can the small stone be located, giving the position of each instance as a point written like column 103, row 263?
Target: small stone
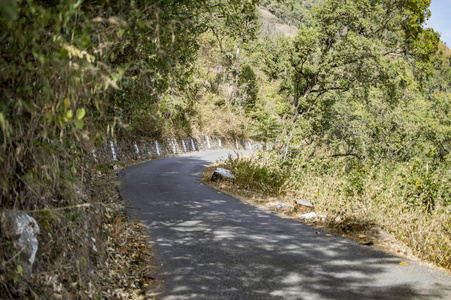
column 308, row 216
column 303, row 202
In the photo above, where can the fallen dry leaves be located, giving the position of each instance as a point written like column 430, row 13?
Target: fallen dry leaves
column 130, row 266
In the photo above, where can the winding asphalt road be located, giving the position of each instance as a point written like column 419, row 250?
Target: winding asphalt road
column 212, row 246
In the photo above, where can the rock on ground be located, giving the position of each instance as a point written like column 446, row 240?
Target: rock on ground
column 222, row 174
column 23, row 228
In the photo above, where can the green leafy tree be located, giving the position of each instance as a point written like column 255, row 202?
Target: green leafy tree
column 275, row 57
column 72, row 71
column 346, row 46
column 233, row 23
column 248, row 84
column 346, row 53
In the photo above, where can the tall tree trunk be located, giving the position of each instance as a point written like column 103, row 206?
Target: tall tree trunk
column 237, row 68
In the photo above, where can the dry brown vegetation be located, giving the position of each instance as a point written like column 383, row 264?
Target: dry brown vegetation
column 446, row 50
column 219, row 120
column 272, row 26
column 102, row 256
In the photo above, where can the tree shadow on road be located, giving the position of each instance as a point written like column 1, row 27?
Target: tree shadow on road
column 213, row 246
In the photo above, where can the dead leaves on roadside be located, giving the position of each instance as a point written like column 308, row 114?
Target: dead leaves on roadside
column 130, row 266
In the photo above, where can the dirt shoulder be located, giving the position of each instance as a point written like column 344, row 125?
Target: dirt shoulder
column 130, row 265
column 366, row 234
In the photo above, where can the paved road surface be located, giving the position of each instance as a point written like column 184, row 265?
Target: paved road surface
column 213, row 246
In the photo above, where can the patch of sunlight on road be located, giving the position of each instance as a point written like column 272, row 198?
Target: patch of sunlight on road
column 225, row 233
column 293, row 278
column 188, row 226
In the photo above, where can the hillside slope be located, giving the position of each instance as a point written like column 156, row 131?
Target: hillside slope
column 273, row 26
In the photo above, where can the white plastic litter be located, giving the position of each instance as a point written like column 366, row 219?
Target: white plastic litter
column 309, row 216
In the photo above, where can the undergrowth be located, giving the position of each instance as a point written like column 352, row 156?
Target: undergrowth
column 258, row 176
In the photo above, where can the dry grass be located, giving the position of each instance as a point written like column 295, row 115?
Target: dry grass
column 219, row 120
column 445, row 49
column 273, row 26
column 426, row 234
column 87, row 250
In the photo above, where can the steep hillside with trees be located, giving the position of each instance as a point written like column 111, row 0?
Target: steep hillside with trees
column 356, row 102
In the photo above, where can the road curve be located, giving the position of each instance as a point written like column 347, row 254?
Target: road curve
column 212, row 246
